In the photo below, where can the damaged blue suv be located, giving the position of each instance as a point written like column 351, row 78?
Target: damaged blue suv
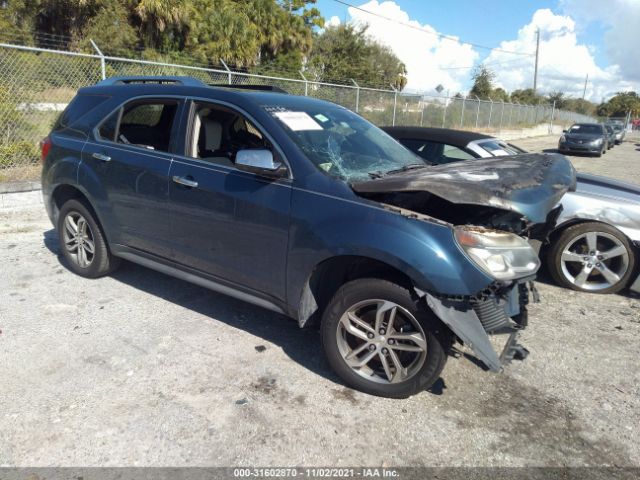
column 305, row 208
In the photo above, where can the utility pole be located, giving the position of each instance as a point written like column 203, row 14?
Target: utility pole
column 584, row 92
column 535, row 71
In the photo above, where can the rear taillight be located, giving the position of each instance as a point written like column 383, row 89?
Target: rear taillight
column 45, row 146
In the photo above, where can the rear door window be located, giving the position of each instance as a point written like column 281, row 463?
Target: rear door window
column 147, row 124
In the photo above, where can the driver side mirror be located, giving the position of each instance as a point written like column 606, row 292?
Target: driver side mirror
column 564, row 131
column 260, row 162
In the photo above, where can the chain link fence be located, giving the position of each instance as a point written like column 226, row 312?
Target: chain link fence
column 36, row 85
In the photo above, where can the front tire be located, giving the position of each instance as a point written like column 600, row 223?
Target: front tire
column 82, row 241
column 591, row 257
column 382, row 340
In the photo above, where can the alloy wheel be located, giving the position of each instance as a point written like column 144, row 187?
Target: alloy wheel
column 594, row 261
column 381, row 341
column 78, row 239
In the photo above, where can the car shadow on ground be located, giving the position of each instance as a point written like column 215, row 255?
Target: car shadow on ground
column 301, row 344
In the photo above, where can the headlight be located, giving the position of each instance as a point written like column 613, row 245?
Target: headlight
column 501, row 255
column 597, row 141
column 563, row 139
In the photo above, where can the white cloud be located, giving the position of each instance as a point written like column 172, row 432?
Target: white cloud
column 425, row 55
column 564, row 62
column 332, row 22
column 621, row 18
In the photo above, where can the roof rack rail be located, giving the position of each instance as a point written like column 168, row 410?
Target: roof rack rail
column 266, row 88
column 187, row 81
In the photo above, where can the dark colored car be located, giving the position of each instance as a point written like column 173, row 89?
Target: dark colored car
column 590, row 138
column 611, row 136
column 304, row 208
column 596, row 240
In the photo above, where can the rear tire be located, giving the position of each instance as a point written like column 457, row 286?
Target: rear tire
column 405, row 344
column 82, row 241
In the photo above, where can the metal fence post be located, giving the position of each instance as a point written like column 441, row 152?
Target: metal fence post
column 553, row 111
column 462, row 111
column 511, row 105
column 395, row 102
column 306, row 84
column 422, row 110
column 227, row 69
column 444, row 110
column 490, row 112
column 357, row 95
column 103, row 65
column 501, row 115
column 477, row 111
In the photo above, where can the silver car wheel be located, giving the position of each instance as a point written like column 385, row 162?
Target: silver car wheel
column 78, row 239
column 381, row 341
column 594, row 261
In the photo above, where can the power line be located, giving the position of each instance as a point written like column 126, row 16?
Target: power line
column 439, row 35
column 485, row 64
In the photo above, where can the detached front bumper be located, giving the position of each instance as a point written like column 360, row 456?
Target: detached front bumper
column 498, row 310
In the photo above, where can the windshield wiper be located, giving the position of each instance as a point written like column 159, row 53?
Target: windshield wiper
column 411, row 166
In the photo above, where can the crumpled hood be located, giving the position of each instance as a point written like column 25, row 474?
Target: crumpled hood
column 529, row 184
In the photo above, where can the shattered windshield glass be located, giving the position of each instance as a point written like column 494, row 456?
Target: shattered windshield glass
column 341, row 143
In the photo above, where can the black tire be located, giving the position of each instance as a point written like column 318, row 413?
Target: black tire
column 438, row 337
column 567, row 236
column 101, row 262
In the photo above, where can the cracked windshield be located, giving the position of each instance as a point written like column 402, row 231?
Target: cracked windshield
column 343, row 144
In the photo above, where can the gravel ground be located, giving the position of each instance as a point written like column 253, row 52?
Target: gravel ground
column 142, row 369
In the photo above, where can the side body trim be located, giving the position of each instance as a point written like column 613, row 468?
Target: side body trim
column 195, row 278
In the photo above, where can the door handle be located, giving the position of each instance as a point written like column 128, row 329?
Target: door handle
column 187, row 182
column 102, row 157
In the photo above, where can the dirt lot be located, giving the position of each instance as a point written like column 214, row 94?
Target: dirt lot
column 143, row 369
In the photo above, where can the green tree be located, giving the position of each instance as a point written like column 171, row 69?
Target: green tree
column 346, row 52
column 620, row 105
column 580, row 105
column 558, row 97
column 526, row 96
column 499, row 94
column 483, row 79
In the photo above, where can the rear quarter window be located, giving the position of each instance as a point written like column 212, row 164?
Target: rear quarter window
column 78, row 108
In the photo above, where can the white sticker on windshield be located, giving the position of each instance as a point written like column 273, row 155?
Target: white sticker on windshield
column 297, row 121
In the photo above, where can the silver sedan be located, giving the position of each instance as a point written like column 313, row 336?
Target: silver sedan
column 596, row 242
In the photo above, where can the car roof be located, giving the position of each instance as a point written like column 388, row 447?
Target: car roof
column 458, row 138
column 187, row 86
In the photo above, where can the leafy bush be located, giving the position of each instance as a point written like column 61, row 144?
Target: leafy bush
column 18, row 154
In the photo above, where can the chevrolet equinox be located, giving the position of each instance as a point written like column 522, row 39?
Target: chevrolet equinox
column 305, row 208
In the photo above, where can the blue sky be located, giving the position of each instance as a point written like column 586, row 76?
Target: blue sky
column 582, row 31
